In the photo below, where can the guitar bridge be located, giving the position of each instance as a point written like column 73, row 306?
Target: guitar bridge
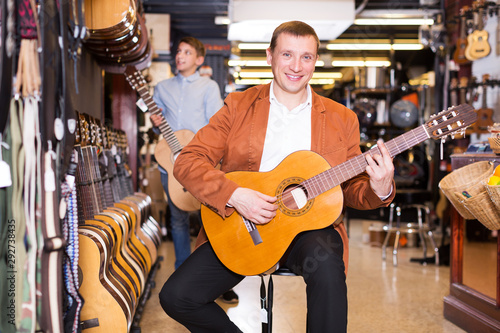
column 252, row 230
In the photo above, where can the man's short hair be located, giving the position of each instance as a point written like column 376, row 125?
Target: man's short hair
column 295, row 28
column 198, row 46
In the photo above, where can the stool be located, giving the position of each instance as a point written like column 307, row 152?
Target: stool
column 421, row 227
column 267, row 299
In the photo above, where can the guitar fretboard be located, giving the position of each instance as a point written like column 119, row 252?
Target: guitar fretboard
column 165, row 129
column 355, row 166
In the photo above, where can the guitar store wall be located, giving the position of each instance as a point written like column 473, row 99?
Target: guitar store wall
column 489, row 64
column 88, row 79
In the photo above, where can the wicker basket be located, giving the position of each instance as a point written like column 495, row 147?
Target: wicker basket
column 494, row 192
column 495, row 144
column 484, row 210
column 468, row 178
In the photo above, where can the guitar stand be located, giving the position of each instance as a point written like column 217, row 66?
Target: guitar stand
column 150, row 284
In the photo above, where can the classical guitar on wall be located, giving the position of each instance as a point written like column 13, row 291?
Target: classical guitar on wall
column 309, row 197
column 166, row 150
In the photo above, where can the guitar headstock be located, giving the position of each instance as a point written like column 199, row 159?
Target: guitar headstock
column 92, row 135
column 98, row 133
column 135, row 77
column 84, row 130
column 77, row 130
column 452, row 121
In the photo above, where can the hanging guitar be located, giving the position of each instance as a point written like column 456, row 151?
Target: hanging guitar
column 309, row 197
column 478, row 40
column 166, row 150
column 461, row 45
column 484, row 114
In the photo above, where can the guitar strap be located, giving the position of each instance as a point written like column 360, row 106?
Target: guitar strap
column 8, row 228
column 6, row 21
column 17, row 206
column 74, row 301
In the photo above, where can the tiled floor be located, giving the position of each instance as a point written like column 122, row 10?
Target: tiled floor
column 382, row 298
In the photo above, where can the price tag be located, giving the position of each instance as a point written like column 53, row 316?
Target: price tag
column 5, row 177
column 263, row 316
column 58, row 129
column 63, row 208
column 140, row 103
column 50, row 181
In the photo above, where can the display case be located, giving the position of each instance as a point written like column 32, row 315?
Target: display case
column 474, row 300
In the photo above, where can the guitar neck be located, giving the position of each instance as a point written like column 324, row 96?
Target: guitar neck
column 165, row 129
column 355, row 166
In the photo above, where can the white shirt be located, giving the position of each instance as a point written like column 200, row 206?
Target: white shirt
column 287, row 131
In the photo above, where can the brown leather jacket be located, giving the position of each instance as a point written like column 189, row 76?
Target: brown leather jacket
column 235, row 138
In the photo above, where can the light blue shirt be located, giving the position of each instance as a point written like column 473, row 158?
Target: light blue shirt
column 187, row 102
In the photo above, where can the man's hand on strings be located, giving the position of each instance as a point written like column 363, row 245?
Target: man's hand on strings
column 253, row 205
column 381, row 170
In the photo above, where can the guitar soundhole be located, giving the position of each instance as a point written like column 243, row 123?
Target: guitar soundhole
column 292, row 197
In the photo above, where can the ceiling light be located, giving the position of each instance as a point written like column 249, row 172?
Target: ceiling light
column 269, row 74
column 361, row 63
column 255, row 20
column 252, row 82
column 393, row 21
column 258, row 62
column 248, row 63
column 407, row 47
column 360, row 46
column 222, row 20
column 373, row 46
column 253, row 46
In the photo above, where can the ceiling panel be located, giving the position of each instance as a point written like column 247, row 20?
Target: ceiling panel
column 197, row 18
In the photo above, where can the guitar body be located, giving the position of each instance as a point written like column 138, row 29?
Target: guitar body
column 181, row 198
column 479, row 47
column 459, row 55
column 109, row 15
column 484, row 119
column 468, row 49
column 231, row 240
column 127, row 273
column 102, row 300
column 462, row 43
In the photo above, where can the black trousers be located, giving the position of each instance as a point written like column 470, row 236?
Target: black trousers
column 189, row 294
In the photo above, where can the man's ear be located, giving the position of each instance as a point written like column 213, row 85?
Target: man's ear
column 199, row 61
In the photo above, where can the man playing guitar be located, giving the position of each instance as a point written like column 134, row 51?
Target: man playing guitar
column 254, row 131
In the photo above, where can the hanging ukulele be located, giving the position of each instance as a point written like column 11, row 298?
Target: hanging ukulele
column 478, row 39
column 484, row 114
column 461, row 45
column 463, row 86
column 498, row 28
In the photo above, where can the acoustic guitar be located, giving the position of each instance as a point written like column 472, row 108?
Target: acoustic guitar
column 478, row 39
column 484, row 114
column 166, row 150
column 309, row 197
column 498, row 29
column 461, row 45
